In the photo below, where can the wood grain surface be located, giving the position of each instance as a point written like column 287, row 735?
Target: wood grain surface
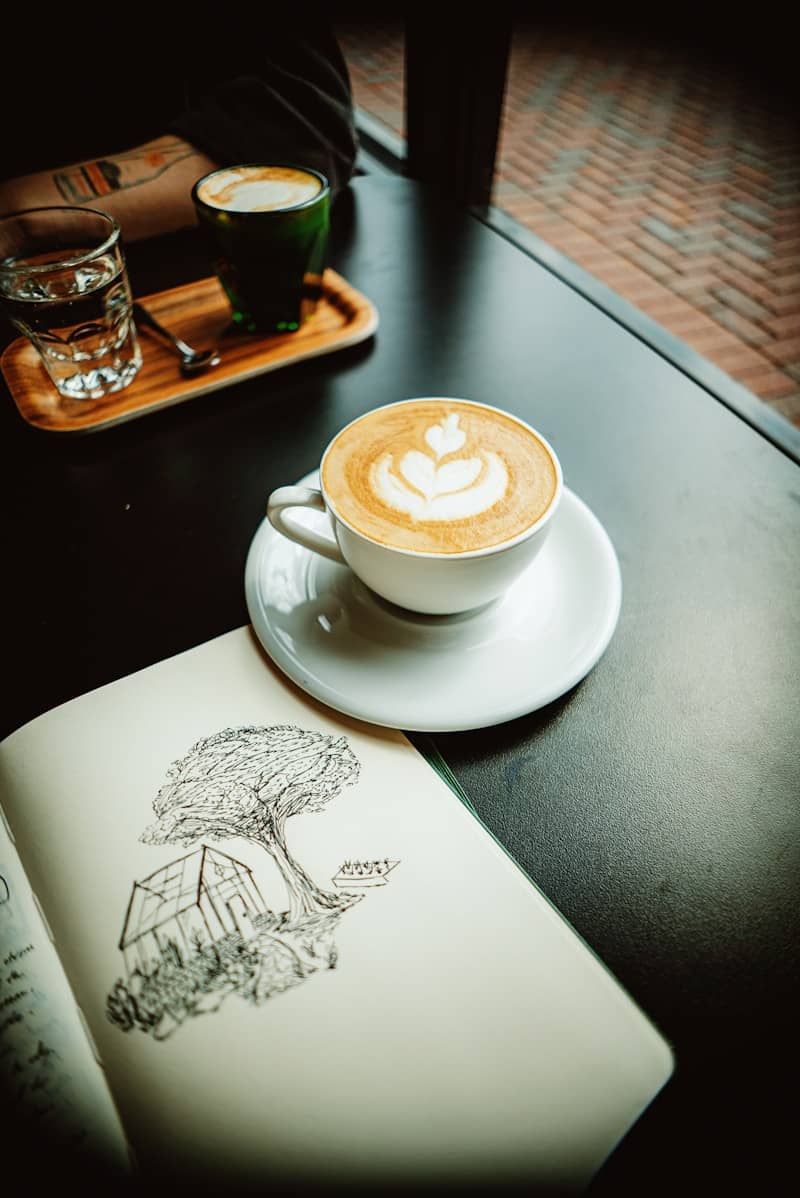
column 200, row 314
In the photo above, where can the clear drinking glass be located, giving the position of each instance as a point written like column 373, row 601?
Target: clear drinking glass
column 64, row 284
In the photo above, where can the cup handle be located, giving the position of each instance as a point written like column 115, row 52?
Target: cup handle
column 289, row 497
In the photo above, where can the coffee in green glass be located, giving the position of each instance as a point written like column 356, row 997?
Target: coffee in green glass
column 266, row 227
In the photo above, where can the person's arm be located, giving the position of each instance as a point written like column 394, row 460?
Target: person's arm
column 146, row 189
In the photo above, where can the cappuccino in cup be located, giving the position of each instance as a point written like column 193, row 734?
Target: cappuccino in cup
column 436, row 504
column 266, row 231
column 439, row 476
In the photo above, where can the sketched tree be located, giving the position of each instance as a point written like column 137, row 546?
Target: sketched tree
column 247, row 782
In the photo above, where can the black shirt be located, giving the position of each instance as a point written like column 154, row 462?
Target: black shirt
column 257, row 89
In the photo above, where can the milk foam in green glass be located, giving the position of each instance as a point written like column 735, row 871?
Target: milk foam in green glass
column 266, row 228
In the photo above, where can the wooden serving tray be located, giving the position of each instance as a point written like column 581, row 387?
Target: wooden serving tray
column 198, row 312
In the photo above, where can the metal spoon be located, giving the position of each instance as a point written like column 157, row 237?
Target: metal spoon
column 192, row 360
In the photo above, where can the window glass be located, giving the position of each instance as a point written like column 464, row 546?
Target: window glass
column 669, row 173
column 374, row 53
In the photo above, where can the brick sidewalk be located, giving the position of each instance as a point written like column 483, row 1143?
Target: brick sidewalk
column 667, row 179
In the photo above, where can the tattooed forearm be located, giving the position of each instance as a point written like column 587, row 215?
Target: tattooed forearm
column 88, row 180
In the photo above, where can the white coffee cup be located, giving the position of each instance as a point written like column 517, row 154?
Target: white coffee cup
column 476, row 450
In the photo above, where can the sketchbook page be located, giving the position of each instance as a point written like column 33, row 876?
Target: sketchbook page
column 52, row 1089
column 301, row 956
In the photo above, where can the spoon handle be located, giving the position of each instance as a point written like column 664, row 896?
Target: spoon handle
column 145, row 318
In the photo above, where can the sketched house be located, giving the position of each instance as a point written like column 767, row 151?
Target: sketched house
column 206, row 894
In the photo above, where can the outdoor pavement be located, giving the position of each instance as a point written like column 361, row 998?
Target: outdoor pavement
column 669, row 178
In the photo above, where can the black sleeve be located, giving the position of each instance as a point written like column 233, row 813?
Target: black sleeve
column 282, row 96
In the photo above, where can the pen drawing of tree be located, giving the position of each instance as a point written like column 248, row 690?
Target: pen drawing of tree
column 246, row 782
column 198, row 930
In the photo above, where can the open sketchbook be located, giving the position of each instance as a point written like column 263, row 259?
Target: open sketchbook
column 245, row 940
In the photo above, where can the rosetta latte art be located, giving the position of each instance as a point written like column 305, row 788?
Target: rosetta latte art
column 428, row 489
column 439, row 476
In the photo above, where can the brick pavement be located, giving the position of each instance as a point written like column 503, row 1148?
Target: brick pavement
column 668, row 177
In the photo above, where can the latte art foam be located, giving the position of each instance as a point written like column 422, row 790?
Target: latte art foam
column 439, row 476
column 427, row 487
column 258, row 188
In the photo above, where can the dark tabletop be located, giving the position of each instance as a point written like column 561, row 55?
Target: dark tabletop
column 656, row 804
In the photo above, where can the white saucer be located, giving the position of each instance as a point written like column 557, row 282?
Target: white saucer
column 366, row 658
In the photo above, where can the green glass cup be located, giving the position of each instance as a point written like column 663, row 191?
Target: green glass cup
column 266, row 228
